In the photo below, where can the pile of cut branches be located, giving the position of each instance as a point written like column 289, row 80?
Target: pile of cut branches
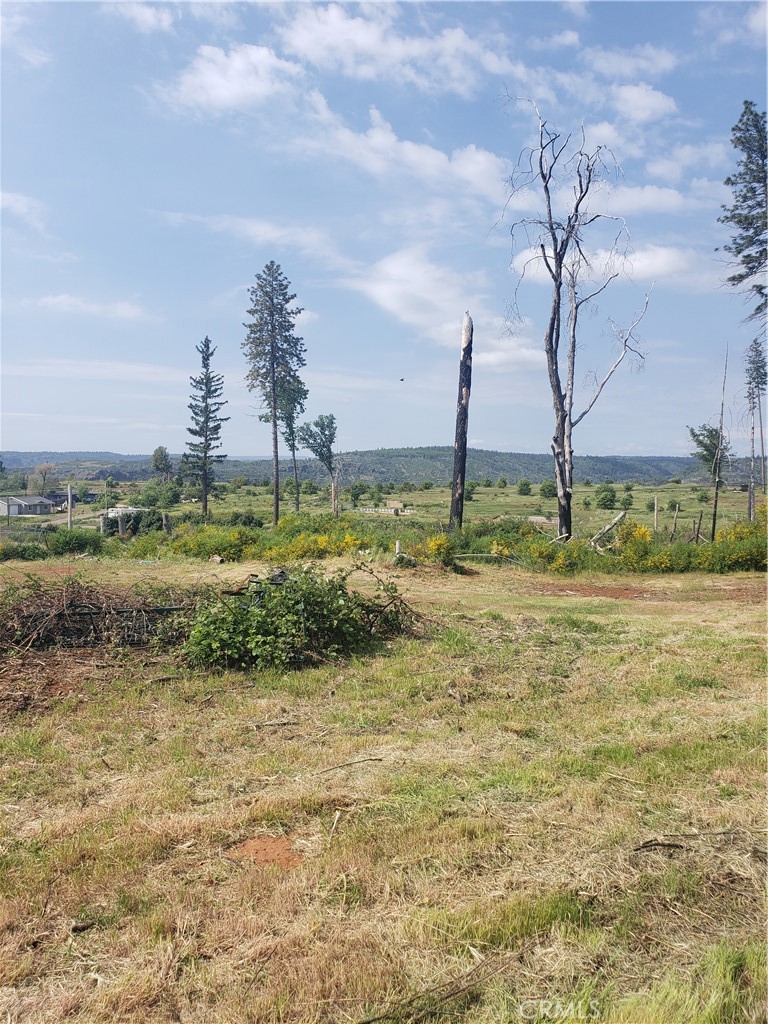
column 37, row 614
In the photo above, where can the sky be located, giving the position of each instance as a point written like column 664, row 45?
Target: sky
column 156, row 156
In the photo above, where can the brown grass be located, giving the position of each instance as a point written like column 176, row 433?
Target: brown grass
column 557, row 794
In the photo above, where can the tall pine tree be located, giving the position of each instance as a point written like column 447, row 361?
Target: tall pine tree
column 205, row 406
column 748, row 215
column 274, row 354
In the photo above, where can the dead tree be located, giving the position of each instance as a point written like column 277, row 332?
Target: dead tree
column 462, row 422
column 721, row 450
column 557, row 243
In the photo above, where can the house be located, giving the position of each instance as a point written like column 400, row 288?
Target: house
column 11, row 507
column 32, row 505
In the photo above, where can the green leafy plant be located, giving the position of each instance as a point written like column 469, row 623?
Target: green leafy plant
column 605, row 496
column 297, row 619
column 548, row 489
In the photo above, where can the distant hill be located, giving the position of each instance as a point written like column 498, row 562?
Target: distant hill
column 434, row 464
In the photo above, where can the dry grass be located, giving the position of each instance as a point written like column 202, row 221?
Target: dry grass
column 557, row 795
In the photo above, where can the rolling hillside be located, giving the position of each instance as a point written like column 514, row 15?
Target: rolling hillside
column 396, row 464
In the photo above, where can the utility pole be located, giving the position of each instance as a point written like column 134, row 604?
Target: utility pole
column 462, row 422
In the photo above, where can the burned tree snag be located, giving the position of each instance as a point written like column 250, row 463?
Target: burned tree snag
column 462, row 421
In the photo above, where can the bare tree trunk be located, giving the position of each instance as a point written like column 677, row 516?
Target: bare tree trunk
column 762, row 439
column 275, row 450
column 335, row 492
column 295, row 480
column 751, row 495
column 719, row 453
column 462, row 422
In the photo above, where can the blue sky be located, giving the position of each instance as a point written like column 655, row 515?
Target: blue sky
column 156, row 156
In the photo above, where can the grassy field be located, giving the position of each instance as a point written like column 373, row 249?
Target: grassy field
column 434, row 504
column 546, row 805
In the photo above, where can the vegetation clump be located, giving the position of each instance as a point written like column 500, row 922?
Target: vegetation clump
column 295, row 619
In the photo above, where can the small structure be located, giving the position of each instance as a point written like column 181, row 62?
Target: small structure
column 32, row 505
column 122, row 510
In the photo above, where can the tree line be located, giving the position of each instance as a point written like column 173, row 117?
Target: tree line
column 556, row 165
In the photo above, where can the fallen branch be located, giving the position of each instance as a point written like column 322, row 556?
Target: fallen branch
column 346, row 764
column 607, row 529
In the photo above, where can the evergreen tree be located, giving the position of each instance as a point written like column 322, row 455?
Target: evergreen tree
column 756, row 375
column 319, row 438
column 205, row 406
column 749, row 213
column 275, row 354
column 290, row 406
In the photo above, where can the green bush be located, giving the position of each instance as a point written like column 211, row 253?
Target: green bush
column 605, row 496
column 548, row 489
column 524, row 487
column 21, row 550
column 70, row 542
column 205, row 541
column 305, row 619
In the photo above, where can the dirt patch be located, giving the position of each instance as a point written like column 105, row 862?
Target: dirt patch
column 33, row 682
column 266, row 850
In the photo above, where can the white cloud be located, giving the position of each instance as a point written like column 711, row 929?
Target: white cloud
column 469, row 169
column 630, row 199
column 645, row 60
column 579, row 9
column 674, row 267
column 673, row 165
column 417, row 292
column 30, row 211
column 732, row 24
column 13, row 34
column 641, row 103
column 558, row 41
column 413, row 289
column 74, row 304
column 307, row 240
column 368, row 47
column 683, row 269
column 622, row 144
column 95, row 369
column 217, row 81
column 144, row 16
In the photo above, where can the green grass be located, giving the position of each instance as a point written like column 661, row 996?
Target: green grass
column 545, row 798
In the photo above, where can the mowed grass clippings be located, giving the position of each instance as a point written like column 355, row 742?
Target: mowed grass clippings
column 550, row 803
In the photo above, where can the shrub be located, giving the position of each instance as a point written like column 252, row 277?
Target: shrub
column 548, row 489
column 524, row 486
column 439, row 548
column 205, row 541
column 626, row 501
column 70, row 542
column 605, row 496
column 501, row 482
column 303, row 620
column 21, row 550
